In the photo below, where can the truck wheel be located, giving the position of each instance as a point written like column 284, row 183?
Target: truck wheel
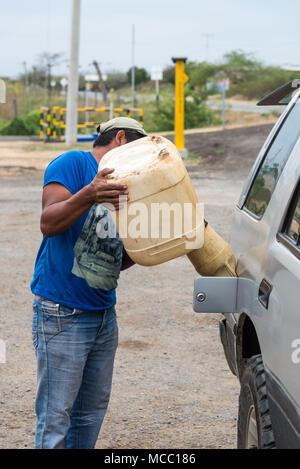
column 254, row 422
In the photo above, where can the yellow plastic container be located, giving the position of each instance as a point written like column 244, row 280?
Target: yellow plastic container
column 162, row 219
column 215, row 258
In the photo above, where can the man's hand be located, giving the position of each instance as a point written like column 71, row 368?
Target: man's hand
column 103, row 192
column 61, row 209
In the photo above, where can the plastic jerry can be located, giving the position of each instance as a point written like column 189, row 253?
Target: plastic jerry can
column 215, row 258
column 162, row 219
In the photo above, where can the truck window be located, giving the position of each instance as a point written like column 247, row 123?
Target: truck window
column 293, row 228
column 275, row 159
column 290, row 232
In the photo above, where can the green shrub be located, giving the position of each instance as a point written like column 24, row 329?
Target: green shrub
column 32, row 122
column 15, row 127
column 3, row 123
column 163, row 119
column 197, row 114
column 141, row 75
column 26, row 125
column 199, row 75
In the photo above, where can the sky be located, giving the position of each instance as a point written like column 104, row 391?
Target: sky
column 197, row 29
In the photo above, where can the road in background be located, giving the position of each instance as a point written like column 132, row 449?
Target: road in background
column 244, row 106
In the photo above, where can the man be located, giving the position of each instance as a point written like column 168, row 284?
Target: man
column 74, row 326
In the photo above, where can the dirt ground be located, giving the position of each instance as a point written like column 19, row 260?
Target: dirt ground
column 172, row 387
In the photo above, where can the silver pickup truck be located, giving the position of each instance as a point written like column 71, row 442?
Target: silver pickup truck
column 260, row 331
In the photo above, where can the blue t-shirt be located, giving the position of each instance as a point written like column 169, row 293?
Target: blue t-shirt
column 53, row 278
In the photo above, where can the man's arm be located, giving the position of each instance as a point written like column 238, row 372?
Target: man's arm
column 61, row 209
column 126, row 261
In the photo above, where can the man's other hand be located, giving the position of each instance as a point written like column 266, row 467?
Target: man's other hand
column 101, row 191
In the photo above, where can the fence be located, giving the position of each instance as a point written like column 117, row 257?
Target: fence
column 53, row 124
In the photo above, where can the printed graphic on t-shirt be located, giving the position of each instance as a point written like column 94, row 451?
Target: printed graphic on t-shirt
column 98, row 250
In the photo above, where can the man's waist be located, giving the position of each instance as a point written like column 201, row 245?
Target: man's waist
column 54, row 304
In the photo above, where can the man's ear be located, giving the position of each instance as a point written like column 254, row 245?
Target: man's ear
column 121, row 138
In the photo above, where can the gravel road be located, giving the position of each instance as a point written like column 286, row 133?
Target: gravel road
column 172, row 387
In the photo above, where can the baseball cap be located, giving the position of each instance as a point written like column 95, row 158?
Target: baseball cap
column 121, row 123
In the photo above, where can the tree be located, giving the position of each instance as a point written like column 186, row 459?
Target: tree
column 40, row 73
column 238, row 59
column 251, row 78
column 141, row 75
column 116, row 80
column 169, row 74
column 199, row 75
column 48, row 61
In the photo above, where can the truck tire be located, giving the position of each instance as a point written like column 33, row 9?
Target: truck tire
column 254, row 422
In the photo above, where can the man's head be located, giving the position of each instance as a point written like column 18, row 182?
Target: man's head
column 118, row 131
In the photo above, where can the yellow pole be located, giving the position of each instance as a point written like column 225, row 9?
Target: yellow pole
column 180, row 79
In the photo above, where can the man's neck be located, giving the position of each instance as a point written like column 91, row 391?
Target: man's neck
column 99, row 152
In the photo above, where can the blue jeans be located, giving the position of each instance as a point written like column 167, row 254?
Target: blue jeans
column 75, row 353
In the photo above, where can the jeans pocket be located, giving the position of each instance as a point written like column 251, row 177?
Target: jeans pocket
column 56, row 319
column 111, row 316
column 35, row 326
column 110, row 324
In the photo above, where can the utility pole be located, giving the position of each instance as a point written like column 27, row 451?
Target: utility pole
column 111, row 99
column 224, row 87
column 15, row 104
column 71, row 127
column 208, row 37
column 87, row 89
column 156, row 75
column 49, row 67
column 25, row 74
column 102, row 82
column 133, row 68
